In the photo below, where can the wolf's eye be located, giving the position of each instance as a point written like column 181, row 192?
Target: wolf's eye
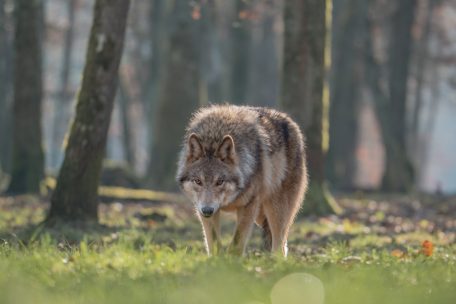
column 197, row 181
column 219, row 182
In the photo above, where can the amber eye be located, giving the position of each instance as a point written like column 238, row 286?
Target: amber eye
column 219, row 182
column 197, row 181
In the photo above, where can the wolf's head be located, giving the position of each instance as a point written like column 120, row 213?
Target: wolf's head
column 209, row 175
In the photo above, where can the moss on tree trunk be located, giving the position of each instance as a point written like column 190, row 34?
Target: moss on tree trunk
column 305, row 93
column 28, row 157
column 76, row 194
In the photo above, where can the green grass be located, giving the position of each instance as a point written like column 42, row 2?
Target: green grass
column 137, row 257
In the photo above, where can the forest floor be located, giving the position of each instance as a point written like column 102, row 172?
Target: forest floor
column 375, row 252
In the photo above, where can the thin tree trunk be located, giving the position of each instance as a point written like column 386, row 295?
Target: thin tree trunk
column 241, row 36
column 76, row 194
column 127, row 134
column 398, row 175
column 159, row 44
column 4, row 111
column 211, row 65
column 28, row 158
column 63, row 101
column 178, row 95
column 264, row 57
column 349, row 33
column 421, row 64
column 305, row 93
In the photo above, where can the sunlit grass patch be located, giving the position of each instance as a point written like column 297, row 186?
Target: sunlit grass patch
column 153, row 253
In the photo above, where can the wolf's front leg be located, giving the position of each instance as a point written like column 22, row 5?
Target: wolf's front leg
column 245, row 218
column 211, row 229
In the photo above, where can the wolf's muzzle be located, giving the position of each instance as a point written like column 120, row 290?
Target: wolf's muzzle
column 207, row 211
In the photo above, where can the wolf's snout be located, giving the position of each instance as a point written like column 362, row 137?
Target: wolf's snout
column 207, row 211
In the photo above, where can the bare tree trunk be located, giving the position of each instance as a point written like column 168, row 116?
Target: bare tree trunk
column 127, row 134
column 422, row 62
column 76, row 195
column 159, row 45
column 264, row 71
column 347, row 79
column 305, row 92
column 28, row 158
column 241, row 36
column 178, row 94
column 4, row 88
column 63, row 102
column 398, row 175
column 211, row 65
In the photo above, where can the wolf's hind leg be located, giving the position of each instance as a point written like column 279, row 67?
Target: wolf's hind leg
column 280, row 217
column 245, row 218
column 212, row 234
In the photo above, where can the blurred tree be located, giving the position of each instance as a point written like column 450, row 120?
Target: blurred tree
column 241, row 44
column 178, row 93
column 5, row 104
column 417, row 144
column 264, row 68
column 211, row 85
column 158, row 44
column 305, row 92
column 124, row 101
column 349, row 33
column 63, row 101
column 75, row 197
column 398, row 175
column 28, row 157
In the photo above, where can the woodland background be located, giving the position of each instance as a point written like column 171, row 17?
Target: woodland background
column 402, row 53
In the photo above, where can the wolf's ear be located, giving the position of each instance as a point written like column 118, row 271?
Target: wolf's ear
column 226, row 151
column 195, row 149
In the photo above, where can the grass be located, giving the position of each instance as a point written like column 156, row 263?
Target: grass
column 152, row 253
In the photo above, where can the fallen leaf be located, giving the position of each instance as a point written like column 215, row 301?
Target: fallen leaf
column 427, row 248
column 397, row 253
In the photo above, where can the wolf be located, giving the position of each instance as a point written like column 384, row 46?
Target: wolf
column 247, row 160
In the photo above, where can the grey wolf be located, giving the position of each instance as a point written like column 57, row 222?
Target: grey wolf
column 247, row 160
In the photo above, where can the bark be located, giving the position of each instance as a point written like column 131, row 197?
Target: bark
column 347, row 79
column 127, row 134
column 28, row 159
column 211, row 65
column 158, row 46
column 76, row 194
column 240, row 36
column 4, row 86
column 422, row 62
column 398, row 176
column 63, row 102
column 305, row 93
column 178, row 95
column 264, row 69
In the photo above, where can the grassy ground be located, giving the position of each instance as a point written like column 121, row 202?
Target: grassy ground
column 153, row 253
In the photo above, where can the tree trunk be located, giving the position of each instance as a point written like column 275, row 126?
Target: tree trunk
column 4, row 88
column 28, row 158
column 158, row 41
column 347, row 79
column 240, row 37
column 305, row 93
column 422, row 62
column 178, row 95
column 264, row 57
column 398, row 175
column 127, row 134
column 76, row 194
column 63, row 102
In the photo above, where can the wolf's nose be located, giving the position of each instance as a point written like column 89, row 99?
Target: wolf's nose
column 207, row 211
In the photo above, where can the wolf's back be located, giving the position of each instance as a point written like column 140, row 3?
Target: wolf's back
column 267, row 141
